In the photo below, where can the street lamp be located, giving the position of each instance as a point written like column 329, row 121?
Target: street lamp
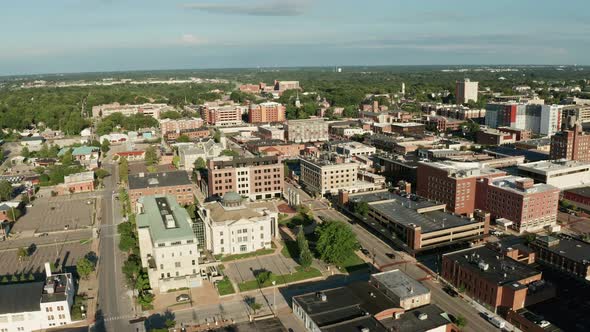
column 274, row 297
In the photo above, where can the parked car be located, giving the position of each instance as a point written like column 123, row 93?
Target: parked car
column 182, row 298
column 497, row 322
column 390, row 255
column 66, row 227
column 450, row 291
column 365, row 252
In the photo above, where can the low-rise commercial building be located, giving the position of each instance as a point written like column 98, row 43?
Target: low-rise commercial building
column 362, row 306
column 529, row 207
column 167, row 244
column 563, row 174
column 307, row 130
column 489, row 277
column 189, row 153
column 494, row 137
column 272, row 133
column 153, row 110
column 399, row 287
column 192, row 134
column 353, row 149
column 256, row 177
column 407, row 128
column 234, row 226
column 76, row 183
column 275, row 148
column 416, row 223
column 178, row 125
column 132, row 155
column 39, row 305
column 564, row 253
column 173, row 183
column 579, row 197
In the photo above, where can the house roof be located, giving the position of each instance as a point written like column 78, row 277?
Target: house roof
column 79, row 151
column 156, row 212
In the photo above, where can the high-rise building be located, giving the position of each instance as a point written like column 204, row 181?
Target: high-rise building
column 571, row 144
column 540, row 119
column 466, row 91
column 227, row 115
column 266, row 112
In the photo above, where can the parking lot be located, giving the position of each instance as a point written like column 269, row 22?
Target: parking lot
column 51, row 214
column 65, row 255
column 241, row 271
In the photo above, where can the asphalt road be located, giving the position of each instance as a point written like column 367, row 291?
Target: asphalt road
column 454, row 306
column 115, row 307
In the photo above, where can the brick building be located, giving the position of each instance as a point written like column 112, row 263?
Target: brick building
column 571, row 145
column 228, row 115
column 266, row 112
column 521, row 134
column 268, row 132
column 257, row 178
column 192, row 134
column 177, row 125
column 76, row 183
column 174, row 183
column 406, row 128
column 453, row 183
column 307, row 130
column 131, row 155
column 529, row 206
column 564, row 253
column 494, row 137
column 489, row 277
column 580, row 197
column 272, row 147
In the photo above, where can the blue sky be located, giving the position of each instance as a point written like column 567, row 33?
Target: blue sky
column 40, row 36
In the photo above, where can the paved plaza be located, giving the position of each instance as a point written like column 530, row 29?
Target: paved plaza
column 241, row 271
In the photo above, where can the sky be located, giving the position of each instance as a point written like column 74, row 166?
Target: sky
column 40, row 36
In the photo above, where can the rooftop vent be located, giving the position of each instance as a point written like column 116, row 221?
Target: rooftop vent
column 365, row 329
column 153, row 181
column 423, row 316
column 483, row 266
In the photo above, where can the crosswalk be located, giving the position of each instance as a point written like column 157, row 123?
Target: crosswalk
column 123, row 317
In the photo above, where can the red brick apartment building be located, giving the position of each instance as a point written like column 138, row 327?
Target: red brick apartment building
column 452, row 183
column 131, row 155
column 521, row 134
column 579, row 197
column 257, row 178
column 564, row 253
column 571, row 145
column 174, row 183
column 266, row 112
column 529, row 206
column 275, row 148
column 489, row 277
column 222, row 115
column 193, row 134
column 170, row 125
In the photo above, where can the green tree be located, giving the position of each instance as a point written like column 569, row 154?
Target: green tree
column 24, row 152
column 305, row 257
column 22, row 253
column 5, row 190
column 170, row 115
column 151, row 156
column 251, row 302
column 67, row 159
column 170, row 323
column 105, row 146
column 361, row 208
column 336, row 241
column 200, row 164
column 123, row 170
column 84, row 267
column 14, row 278
column 145, row 299
column 4, row 279
column 460, row 321
column 183, row 139
column 263, row 276
column 217, row 136
column 230, row 153
column 101, row 173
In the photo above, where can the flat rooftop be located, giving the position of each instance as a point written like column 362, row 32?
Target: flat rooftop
column 246, row 211
column 407, row 124
column 20, row 297
column 432, row 318
column 509, row 183
column 573, row 249
column 462, row 169
column 157, row 213
column 160, row 179
column 531, row 156
column 401, row 284
column 582, row 191
column 493, row 266
column 547, row 166
column 412, row 210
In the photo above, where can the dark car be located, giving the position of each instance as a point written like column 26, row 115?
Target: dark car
column 450, row 291
column 390, row 255
column 365, row 252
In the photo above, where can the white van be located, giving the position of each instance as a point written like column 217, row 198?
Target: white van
column 497, row 322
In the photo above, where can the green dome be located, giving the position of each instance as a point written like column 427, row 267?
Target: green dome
column 231, row 197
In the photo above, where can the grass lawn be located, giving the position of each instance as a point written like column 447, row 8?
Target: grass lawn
column 301, row 274
column 353, row 264
column 224, row 287
column 246, row 255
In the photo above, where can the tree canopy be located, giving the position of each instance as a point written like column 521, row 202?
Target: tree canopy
column 336, row 241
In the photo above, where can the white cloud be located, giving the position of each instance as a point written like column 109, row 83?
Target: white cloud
column 260, row 8
column 191, row 40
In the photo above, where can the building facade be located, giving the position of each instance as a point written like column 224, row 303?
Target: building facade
column 466, row 91
column 564, row 253
column 571, row 145
column 178, row 125
column 167, row 244
column 308, row 130
column 228, row 115
column 233, row 226
column 266, row 112
column 153, row 110
column 76, row 183
column 530, row 207
column 563, row 174
column 323, row 177
column 257, row 178
column 173, row 183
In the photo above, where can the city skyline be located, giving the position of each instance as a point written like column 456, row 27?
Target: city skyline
column 106, row 35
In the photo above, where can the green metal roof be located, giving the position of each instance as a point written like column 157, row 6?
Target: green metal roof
column 155, row 209
column 79, row 151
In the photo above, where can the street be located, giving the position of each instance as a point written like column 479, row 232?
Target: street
column 115, row 307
